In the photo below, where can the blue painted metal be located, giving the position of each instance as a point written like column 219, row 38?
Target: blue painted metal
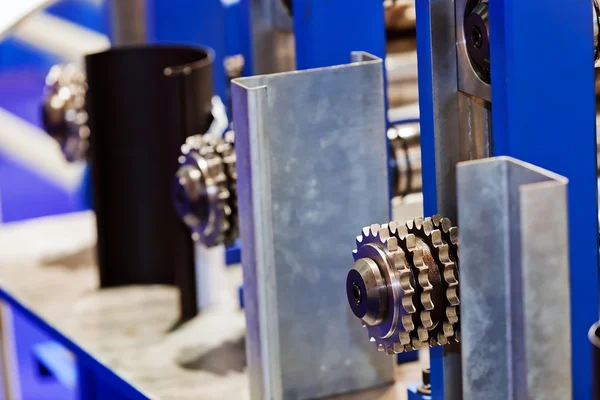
column 58, row 361
column 245, row 38
column 32, row 385
column 241, row 296
column 327, row 31
column 191, row 22
column 413, row 394
column 427, row 117
column 544, row 111
column 94, row 378
column 410, row 356
column 233, row 254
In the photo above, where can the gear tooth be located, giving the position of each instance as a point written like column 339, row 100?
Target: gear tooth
column 408, row 305
column 402, row 231
column 398, row 347
column 404, row 338
column 410, row 224
column 372, row 339
column 384, row 233
column 366, row 232
column 446, row 224
column 416, row 344
column 418, row 223
column 407, row 322
column 457, row 335
column 453, row 233
column 393, row 225
column 408, row 348
column 355, row 254
column 380, row 347
column 392, row 245
column 364, row 325
column 436, row 237
column 452, row 296
column 418, row 259
column 390, row 351
column 406, row 280
column 442, row 339
column 450, row 274
column 444, row 252
column 423, row 334
column 359, row 240
column 452, row 315
column 411, row 241
column 427, row 226
column 424, row 282
column 448, row 329
column 375, row 230
column 436, row 219
column 426, row 319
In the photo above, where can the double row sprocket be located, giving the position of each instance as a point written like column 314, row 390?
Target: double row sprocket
column 404, row 283
column 205, row 189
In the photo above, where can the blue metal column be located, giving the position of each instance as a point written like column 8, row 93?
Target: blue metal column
column 327, row 31
column 543, row 105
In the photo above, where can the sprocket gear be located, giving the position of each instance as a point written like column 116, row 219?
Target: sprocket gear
column 389, row 318
column 441, row 327
column 204, row 190
column 63, row 110
column 407, row 273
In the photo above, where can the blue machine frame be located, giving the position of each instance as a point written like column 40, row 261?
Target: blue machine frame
column 544, row 113
column 532, row 118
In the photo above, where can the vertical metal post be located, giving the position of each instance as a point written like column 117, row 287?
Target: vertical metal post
column 543, row 87
column 438, row 85
column 271, row 45
column 128, row 22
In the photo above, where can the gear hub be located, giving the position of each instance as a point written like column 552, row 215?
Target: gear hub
column 204, row 189
column 404, row 284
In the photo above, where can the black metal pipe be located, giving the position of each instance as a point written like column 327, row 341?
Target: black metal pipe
column 143, row 102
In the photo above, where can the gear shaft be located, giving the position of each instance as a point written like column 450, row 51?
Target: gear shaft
column 404, row 284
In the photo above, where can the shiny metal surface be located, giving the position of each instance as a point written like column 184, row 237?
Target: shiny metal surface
column 405, row 145
column 438, row 77
column 312, row 154
column 204, row 190
column 475, row 119
column 468, row 80
column 514, row 281
column 272, row 37
column 404, row 284
column 128, row 22
column 63, row 110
